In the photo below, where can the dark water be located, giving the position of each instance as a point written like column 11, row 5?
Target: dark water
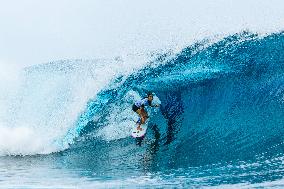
column 220, row 124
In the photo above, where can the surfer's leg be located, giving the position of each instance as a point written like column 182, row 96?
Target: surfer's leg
column 139, row 112
column 144, row 116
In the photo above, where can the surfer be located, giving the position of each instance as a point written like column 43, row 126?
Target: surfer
column 138, row 107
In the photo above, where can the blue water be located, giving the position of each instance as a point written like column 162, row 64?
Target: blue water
column 220, row 123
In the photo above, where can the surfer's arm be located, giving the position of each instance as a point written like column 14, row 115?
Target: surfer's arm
column 156, row 105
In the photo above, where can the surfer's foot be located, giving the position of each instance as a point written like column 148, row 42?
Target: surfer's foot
column 139, row 128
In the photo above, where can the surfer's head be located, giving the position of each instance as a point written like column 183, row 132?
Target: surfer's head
column 150, row 96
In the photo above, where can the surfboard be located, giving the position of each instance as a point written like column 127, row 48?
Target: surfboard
column 137, row 133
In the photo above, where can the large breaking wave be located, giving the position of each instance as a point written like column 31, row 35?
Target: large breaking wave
column 221, row 101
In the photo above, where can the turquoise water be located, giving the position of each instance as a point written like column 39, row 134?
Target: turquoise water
column 220, row 123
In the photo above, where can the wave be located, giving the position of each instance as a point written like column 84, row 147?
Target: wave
column 221, row 101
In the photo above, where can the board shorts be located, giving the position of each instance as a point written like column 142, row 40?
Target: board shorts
column 135, row 108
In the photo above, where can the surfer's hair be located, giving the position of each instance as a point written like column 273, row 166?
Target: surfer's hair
column 149, row 94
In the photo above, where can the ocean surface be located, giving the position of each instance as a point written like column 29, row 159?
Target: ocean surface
column 66, row 124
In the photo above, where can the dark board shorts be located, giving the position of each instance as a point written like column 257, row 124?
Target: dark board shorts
column 135, row 108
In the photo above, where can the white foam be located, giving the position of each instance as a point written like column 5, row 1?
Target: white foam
column 45, row 107
column 21, row 141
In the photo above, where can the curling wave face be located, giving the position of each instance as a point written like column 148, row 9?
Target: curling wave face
column 221, row 102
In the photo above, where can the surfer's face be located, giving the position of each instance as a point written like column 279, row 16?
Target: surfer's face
column 150, row 97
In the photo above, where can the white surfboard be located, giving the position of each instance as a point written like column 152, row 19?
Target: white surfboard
column 137, row 133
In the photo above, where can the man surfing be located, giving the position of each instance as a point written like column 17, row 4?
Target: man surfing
column 138, row 107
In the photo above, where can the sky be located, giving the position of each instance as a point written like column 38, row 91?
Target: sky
column 40, row 31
